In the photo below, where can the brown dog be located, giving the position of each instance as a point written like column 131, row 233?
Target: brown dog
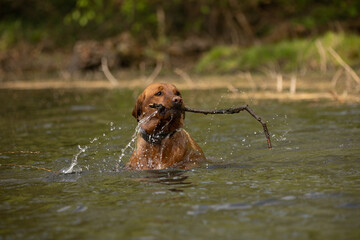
column 161, row 142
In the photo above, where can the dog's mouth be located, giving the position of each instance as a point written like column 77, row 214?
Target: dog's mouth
column 162, row 110
column 168, row 114
column 164, row 119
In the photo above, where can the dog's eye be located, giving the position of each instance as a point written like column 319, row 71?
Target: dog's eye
column 177, row 94
column 159, row 93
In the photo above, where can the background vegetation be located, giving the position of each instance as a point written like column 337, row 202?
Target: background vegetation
column 287, row 55
column 237, row 35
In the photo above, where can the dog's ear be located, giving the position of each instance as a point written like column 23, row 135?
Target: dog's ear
column 137, row 111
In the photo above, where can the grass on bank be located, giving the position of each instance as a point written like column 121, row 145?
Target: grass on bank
column 288, row 55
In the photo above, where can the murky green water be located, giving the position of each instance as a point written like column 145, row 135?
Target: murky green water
column 307, row 187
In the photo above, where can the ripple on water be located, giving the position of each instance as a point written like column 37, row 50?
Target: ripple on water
column 198, row 209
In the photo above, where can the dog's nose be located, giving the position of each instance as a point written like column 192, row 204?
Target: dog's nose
column 177, row 100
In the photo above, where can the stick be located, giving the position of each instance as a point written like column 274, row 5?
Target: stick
column 293, row 85
column 322, row 54
column 108, row 75
column 184, row 75
column 279, row 83
column 336, row 96
column 160, row 107
column 155, row 73
column 336, row 77
column 344, row 65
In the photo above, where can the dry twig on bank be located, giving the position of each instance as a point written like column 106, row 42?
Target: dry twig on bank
column 108, row 75
column 322, row 54
column 155, row 73
column 279, row 83
column 344, row 65
column 184, row 76
column 293, row 85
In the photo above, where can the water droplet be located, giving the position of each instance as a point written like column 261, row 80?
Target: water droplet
column 80, row 209
column 63, row 209
column 73, row 168
column 288, row 198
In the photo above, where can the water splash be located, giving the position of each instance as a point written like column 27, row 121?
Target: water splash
column 213, row 116
column 73, row 167
column 281, row 135
column 93, row 151
column 134, row 137
column 129, row 145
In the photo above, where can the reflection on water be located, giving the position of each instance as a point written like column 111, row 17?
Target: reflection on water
column 61, row 177
column 306, row 187
column 175, row 179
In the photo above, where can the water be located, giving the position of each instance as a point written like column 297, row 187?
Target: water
column 306, row 187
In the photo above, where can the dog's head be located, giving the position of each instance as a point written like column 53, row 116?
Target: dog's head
column 169, row 118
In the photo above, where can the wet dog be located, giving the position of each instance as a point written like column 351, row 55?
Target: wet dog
column 162, row 142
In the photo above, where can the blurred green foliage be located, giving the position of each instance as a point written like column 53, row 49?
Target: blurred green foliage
column 63, row 22
column 287, row 55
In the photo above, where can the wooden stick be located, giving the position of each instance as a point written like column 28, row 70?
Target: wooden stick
column 184, row 76
column 160, row 107
column 108, row 75
column 336, row 77
column 293, row 85
column 344, row 65
column 336, row 96
column 155, row 73
column 322, row 54
column 279, row 83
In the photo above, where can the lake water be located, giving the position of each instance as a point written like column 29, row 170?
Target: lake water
column 306, row 187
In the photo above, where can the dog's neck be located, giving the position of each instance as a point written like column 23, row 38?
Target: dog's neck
column 156, row 138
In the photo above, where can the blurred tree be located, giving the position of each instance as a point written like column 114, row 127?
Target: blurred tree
column 228, row 21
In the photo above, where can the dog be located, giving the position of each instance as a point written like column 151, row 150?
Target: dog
column 162, row 142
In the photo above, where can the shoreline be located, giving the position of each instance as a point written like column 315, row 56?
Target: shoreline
column 240, row 86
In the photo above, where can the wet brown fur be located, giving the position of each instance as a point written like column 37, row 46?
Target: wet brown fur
column 178, row 149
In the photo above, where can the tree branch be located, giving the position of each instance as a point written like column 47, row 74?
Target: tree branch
column 225, row 111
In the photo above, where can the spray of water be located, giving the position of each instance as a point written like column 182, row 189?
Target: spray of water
column 212, row 118
column 73, row 167
column 281, row 136
column 133, row 138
